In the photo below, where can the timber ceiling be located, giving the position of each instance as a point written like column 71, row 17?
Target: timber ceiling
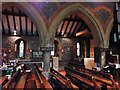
column 14, row 20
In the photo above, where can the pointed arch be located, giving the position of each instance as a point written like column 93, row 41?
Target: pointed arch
column 90, row 19
column 108, row 31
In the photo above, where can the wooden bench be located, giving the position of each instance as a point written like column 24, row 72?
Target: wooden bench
column 81, row 80
column 62, row 80
column 105, row 78
column 21, row 83
column 44, row 80
column 41, row 81
column 38, row 80
column 3, row 80
column 12, row 81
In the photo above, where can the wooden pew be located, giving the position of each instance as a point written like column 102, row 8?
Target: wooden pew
column 105, row 78
column 38, row 80
column 17, row 81
column 82, row 81
column 41, row 81
column 12, row 81
column 63, row 81
column 43, row 78
column 21, row 83
column 45, row 82
column 3, row 80
column 102, row 77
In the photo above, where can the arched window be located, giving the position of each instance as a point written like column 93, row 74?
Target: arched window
column 21, row 49
column 78, row 49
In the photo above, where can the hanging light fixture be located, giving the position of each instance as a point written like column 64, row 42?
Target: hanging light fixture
column 14, row 32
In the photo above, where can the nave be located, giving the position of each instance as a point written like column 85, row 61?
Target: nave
column 60, row 45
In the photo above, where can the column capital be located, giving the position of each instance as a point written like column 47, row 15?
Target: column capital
column 102, row 49
column 46, row 48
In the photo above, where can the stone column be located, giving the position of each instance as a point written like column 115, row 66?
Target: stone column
column 100, row 56
column 103, row 57
column 46, row 59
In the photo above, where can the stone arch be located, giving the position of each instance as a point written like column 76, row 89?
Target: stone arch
column 96, row 27
column 108, row 32
column 31, row 12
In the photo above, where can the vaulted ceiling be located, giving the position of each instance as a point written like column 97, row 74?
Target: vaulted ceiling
column 15, row 22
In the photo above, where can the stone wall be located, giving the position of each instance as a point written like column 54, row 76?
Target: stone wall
column 68, row 49
column 32, row 43
column 102, row 10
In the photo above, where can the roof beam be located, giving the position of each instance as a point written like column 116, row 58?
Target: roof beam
column 8, row 23
column 67, row 26
column 60, row 33
column 14, row 23
column 72, row 26
column 75, row 29
column 20, row 21
column 26, row 25
column 82, row 32
column 81, row 27
column 3, row 28
column 78, row 29
column 31, row 28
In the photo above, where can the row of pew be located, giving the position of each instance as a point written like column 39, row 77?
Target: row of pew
column 25, row 79
column 91, row 80
column 77, row 77
column 59, row 81
column 83, row 79
column 3, row 80
column 88, row 79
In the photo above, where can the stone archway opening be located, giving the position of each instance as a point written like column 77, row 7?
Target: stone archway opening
column 88, row 17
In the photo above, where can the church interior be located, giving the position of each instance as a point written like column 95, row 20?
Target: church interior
column 60, row 45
